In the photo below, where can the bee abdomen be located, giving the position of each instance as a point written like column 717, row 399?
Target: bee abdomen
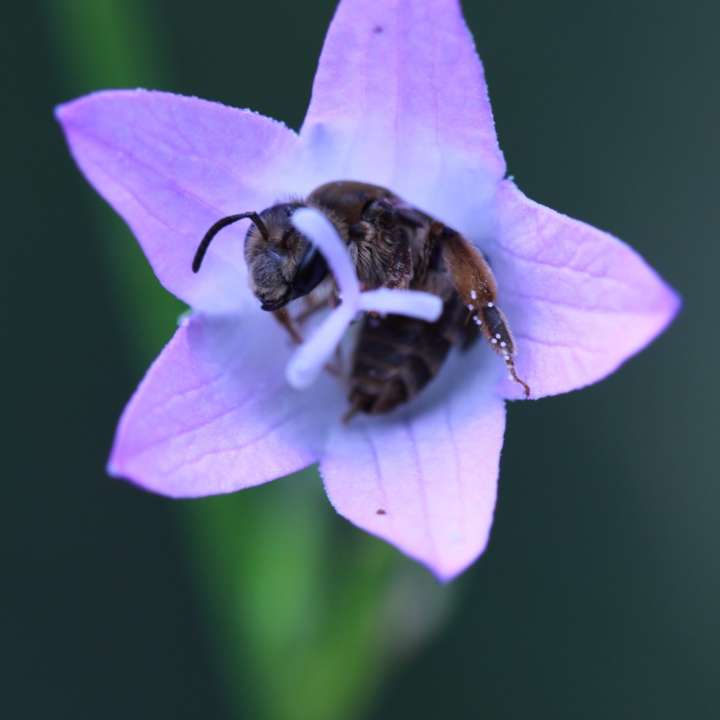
column 396, row 356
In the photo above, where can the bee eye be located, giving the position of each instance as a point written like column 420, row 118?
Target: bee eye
column 311, row 271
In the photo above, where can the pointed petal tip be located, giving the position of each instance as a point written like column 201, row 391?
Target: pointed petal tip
column 581, row 302
column 64, row 111
column 213, row 416
column 446, row 575
column 443, row 570
column 68, row 113
column 171, row 165
column 446, row 572
column 160, row 489
column 60, row 111
column 673, row 305
column 112, row 468
column 668, row 306
column 437, row 102
column 423, row 479
column 115, row 468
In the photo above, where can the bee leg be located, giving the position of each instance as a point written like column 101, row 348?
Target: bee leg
column 497, row 330
column 335, row 368
column 312, row 305
column 283, row 317
column 471, row 275
column 475, row 283
column 354, row 409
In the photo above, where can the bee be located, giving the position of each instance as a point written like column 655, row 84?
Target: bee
column 392, row 245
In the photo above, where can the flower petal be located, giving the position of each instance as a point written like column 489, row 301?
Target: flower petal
column 580, row 302
column 400, row 100
column 172, row 166
column 214, row 414
column 424, row 479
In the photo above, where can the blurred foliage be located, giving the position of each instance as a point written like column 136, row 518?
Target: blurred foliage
column 110, row 44
column 598, row 595
column 289, row 620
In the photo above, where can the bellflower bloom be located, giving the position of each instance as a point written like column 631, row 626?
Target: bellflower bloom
column 399, row 100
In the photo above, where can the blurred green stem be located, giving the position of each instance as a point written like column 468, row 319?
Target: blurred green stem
column 305, row 620
column 111, row 44
column 297, row 626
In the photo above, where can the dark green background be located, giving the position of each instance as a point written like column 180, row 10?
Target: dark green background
column 599, row 595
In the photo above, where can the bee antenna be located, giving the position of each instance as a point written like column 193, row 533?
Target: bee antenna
column 217, row 227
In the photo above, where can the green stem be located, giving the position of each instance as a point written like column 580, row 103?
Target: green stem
column 109, row 44
column 297, row 626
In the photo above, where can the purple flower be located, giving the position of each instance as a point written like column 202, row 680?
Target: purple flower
column 399, row 100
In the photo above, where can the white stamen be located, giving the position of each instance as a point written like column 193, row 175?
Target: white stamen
column 503, row 344
column 411, row 303
column 470, row 307
column 315, row 226
column 309, row 359
column 490, row 305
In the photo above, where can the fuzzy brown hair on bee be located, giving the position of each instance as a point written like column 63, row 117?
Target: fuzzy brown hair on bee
column 393, row 245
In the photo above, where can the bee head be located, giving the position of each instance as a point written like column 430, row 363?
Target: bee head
column 283, row 264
